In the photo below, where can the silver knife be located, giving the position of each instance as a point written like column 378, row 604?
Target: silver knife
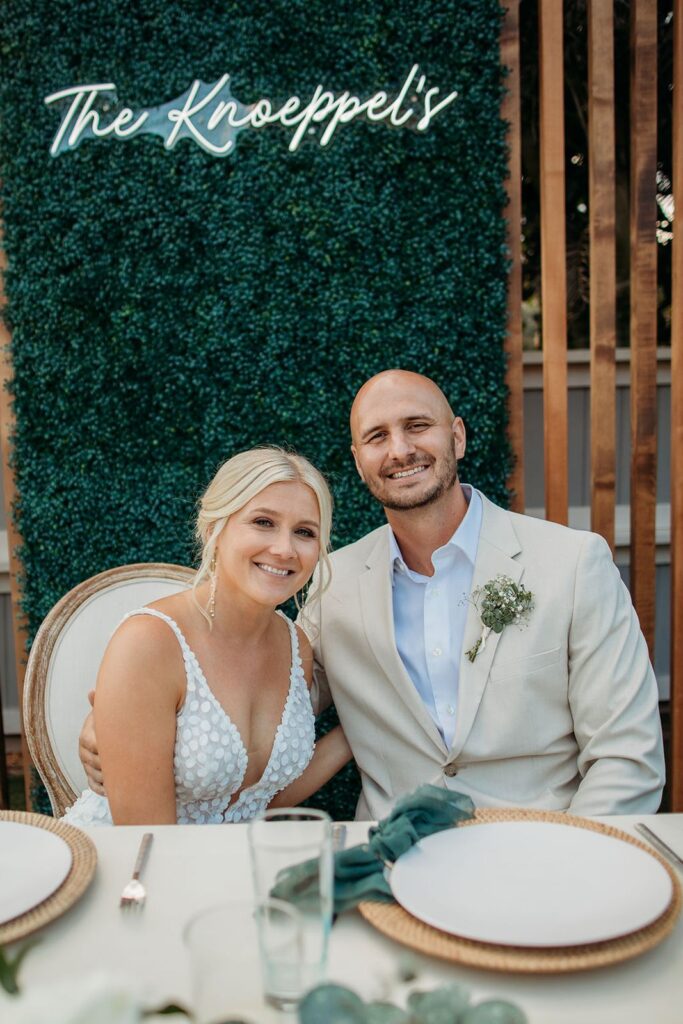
column 338, row 837
column 660, row 845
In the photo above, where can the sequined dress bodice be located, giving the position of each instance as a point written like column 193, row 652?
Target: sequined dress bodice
column 210, row 759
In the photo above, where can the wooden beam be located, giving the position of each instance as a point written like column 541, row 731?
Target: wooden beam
column 643, row 216
column 553, row 259
column 13, row 538
column 603, row 295
column 509, row 55
column 676, row 674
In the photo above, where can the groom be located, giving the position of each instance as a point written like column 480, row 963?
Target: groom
column 557, row 713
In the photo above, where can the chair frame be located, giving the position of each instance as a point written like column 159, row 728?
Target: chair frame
column 59, row 790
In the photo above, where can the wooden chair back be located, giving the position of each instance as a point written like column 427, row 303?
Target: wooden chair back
column 64, row 661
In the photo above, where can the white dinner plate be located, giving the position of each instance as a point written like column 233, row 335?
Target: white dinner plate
column 531, row 883
column 33, row 864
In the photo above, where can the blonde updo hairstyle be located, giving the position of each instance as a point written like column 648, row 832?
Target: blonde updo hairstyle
column 239, row 480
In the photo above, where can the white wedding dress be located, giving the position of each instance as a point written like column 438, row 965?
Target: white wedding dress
column 210, row 759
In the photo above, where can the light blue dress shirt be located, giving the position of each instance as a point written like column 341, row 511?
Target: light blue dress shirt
column 430, row 613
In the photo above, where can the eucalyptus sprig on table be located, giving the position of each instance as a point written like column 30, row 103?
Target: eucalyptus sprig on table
column 335, row 1004
column 450, row 1004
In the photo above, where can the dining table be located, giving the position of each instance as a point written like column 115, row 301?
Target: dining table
column 196, row 867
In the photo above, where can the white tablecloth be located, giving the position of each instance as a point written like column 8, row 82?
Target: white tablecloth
column 191, row 867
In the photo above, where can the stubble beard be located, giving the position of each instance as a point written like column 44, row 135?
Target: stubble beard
column 445, row 480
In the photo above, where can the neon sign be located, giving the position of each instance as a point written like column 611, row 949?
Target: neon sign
column 212, row 117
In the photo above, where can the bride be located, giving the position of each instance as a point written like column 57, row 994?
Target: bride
column 203, row 712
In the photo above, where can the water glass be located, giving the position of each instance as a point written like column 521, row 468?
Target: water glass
column 293, row 938
column 223, row 947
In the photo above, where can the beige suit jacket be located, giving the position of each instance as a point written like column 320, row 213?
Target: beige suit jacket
column 561, row 715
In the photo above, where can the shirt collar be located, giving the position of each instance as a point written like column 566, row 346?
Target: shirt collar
column 466, row 536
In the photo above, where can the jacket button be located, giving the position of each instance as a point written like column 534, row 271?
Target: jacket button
column 450, row 770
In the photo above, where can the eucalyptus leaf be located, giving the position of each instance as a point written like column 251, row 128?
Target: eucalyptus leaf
column 441, row 1006
column 333, row 1004
column 10, row 966
column 494, row 1011
column 7, row 976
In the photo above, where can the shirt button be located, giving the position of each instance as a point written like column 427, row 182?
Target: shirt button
column 450, row 770
column 437, row 652
column 450, row 709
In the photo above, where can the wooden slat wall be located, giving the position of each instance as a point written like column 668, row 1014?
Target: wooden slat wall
column 553, row 259
column 13, row 539
column 643, row 218
column 643, row 299
column 676, row 760
column 601, row 209
column 509, row 53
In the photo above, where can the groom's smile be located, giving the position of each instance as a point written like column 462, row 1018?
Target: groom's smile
column 403, row 474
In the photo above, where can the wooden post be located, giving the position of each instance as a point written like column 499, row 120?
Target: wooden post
column 553, row 260
column 601, row 207
column 643, row 311
column 13, row 538
column 676, row 674
column 509, row 55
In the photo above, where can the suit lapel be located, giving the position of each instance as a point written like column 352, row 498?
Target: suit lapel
column 498, row 543
column 376, row 604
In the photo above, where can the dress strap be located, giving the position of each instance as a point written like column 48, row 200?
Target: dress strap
column 155, row 613
column 294, row 640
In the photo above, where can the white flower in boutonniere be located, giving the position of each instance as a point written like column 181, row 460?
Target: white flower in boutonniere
column 500, row 602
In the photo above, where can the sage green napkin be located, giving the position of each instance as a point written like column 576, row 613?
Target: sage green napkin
column 359, row 871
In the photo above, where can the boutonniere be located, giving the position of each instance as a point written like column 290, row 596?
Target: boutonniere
column 500, row 602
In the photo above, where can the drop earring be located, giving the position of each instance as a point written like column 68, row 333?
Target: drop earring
column 212, row 592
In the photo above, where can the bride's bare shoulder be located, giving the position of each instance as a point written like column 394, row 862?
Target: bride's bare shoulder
column 148, row 639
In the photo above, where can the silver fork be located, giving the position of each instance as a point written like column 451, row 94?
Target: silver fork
column 134, row 892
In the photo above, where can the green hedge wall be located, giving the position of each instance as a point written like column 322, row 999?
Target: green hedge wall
column 169, row 308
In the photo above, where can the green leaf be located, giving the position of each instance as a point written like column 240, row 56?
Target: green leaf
column 494, row 1011
column 10, row 966
column 441, row 1006
column 333, row 1004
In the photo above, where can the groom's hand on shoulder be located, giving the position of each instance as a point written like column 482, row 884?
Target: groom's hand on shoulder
column 88, row 752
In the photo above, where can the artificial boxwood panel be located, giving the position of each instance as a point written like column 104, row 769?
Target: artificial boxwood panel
column 168, row 308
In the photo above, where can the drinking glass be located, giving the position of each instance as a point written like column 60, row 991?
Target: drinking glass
column 223, row 949
column 293, row 936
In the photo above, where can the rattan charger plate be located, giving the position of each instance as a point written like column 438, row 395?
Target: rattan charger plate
column 392, row 920
column 83, row 863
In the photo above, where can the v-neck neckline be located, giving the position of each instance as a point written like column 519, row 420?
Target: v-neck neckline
column 201, row 678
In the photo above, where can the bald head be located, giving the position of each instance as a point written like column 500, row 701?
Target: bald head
column 397, row 385
column 406, row 440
